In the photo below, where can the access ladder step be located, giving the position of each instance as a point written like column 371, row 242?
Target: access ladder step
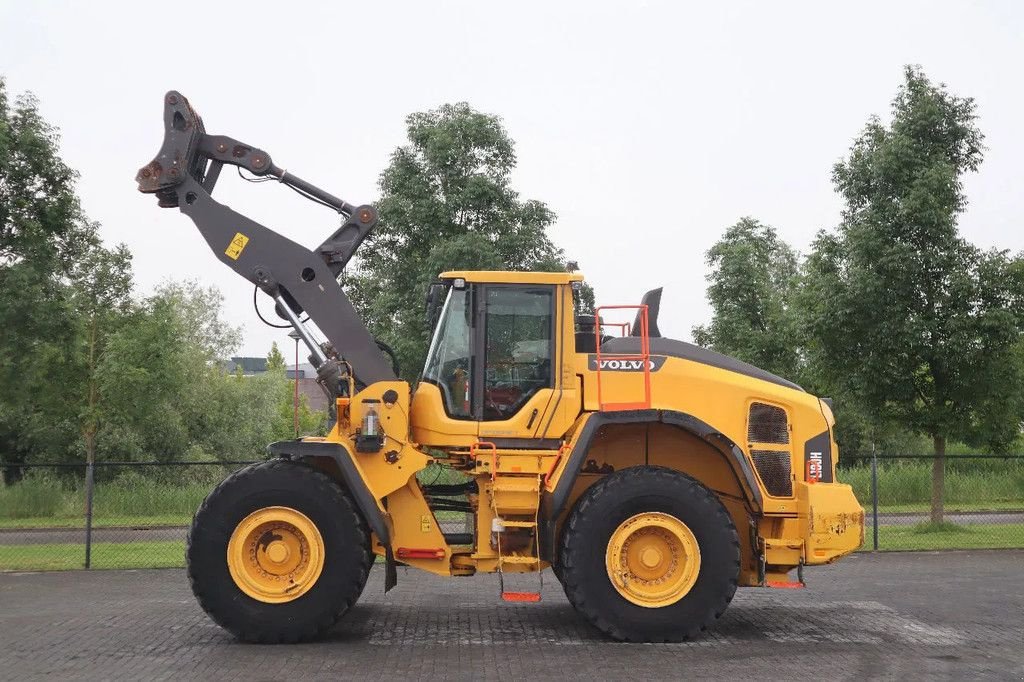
column 521, row 596
column 778, row 552
column 515, row 495
column 518, row 524
column 516, row 559
column 516, row 484
column 785, row 584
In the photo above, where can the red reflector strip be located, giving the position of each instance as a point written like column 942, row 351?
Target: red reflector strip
column 785, row 586
column 411, row 553
column 520, row 596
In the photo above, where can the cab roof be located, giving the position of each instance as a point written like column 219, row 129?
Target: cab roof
column 513, row 277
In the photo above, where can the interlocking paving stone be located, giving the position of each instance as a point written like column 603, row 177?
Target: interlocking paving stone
column 947, row 615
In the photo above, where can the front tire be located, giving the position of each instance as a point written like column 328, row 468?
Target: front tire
column 277, row 553
column 649, row 554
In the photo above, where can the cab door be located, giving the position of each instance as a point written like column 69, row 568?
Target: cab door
column 517, row 344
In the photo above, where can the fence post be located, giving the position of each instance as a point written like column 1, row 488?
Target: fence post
column 874, row 499
column 89, row 480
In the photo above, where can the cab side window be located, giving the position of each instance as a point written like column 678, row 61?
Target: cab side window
column 449, row 360
column 519, row 347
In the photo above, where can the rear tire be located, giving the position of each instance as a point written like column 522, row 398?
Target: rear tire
column 337, row 566
column 702, row 563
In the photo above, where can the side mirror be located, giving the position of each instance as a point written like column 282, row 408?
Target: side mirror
column 436, row 293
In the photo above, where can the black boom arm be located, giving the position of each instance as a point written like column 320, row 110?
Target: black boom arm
column 183, row 176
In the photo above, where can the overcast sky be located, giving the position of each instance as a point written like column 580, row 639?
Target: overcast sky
column 648, row 127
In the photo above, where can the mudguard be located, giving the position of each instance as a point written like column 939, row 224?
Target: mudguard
column 300, row 450
column 553, row 504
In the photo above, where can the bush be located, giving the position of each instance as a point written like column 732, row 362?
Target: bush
column 135, row 494
column 41, row 494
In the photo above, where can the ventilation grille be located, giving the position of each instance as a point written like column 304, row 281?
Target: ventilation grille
column 775, row 470
column 767, row 424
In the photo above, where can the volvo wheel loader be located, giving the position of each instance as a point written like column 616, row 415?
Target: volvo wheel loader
column 652, row 476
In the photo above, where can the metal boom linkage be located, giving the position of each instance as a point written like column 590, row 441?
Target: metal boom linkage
column 183, row 176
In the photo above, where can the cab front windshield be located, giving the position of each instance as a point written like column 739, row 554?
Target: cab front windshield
column 448, row 360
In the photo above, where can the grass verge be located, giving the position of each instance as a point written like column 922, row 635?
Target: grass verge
column 928, row 536
column 969, row 484
column 99, row 522
column 62, row 557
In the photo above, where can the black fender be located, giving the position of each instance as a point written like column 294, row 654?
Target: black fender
column 367, row 503
column 554, row 503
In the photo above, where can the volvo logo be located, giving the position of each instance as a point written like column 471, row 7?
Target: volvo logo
column 614, row 364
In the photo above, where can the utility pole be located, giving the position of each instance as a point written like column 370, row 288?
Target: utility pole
column 295, row 335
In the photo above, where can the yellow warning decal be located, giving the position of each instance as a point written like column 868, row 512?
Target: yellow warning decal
column 236, row 246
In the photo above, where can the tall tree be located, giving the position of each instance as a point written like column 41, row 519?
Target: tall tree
column 751, row 288
column 162, row 382
column 275, row 360
column 200, row 310
column 447, row 203
column 43, row 233
column 101, row 300
column 901, row 311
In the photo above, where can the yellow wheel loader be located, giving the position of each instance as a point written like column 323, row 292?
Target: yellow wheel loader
column 652, row 476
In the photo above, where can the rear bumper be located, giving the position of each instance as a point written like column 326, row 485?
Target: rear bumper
column 833, row 521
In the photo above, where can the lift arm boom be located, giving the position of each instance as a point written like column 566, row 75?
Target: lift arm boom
column 183, row 176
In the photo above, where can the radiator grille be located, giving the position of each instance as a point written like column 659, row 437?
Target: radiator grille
column 767, row 424
column 775, row 470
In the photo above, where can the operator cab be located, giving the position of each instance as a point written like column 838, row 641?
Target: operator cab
column 492, row 369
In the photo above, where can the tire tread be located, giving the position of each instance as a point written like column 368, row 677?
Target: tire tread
column 573, row 540
column 320, row 485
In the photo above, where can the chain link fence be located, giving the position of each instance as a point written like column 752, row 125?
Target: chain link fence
column 109, row 515
column 61, row 516
column 983, row 501
column 135, row 515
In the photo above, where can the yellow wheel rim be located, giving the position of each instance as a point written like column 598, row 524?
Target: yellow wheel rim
column 275, row 554
column 653, row 559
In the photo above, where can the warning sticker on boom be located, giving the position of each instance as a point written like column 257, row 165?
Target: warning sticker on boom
column 236, row 246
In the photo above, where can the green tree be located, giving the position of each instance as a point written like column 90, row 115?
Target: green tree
column 167, row 395
column 752, row 286
column 275, row 361
column 43, row 234
column 200, row 310
column 902, row 312
column 101, row 299
column 447, row 204
column 162, row 380
column 83, row 367
column 311, row 422
column 152, row 384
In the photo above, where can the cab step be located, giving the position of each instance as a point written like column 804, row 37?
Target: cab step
column 520, row 596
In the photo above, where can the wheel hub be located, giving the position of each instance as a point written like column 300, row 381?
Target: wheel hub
column 653, row 559
column 278, row 552
column 650, row 557
column 275, row 554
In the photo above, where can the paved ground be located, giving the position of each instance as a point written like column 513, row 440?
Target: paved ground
column 952, row 615
column 44, row 536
